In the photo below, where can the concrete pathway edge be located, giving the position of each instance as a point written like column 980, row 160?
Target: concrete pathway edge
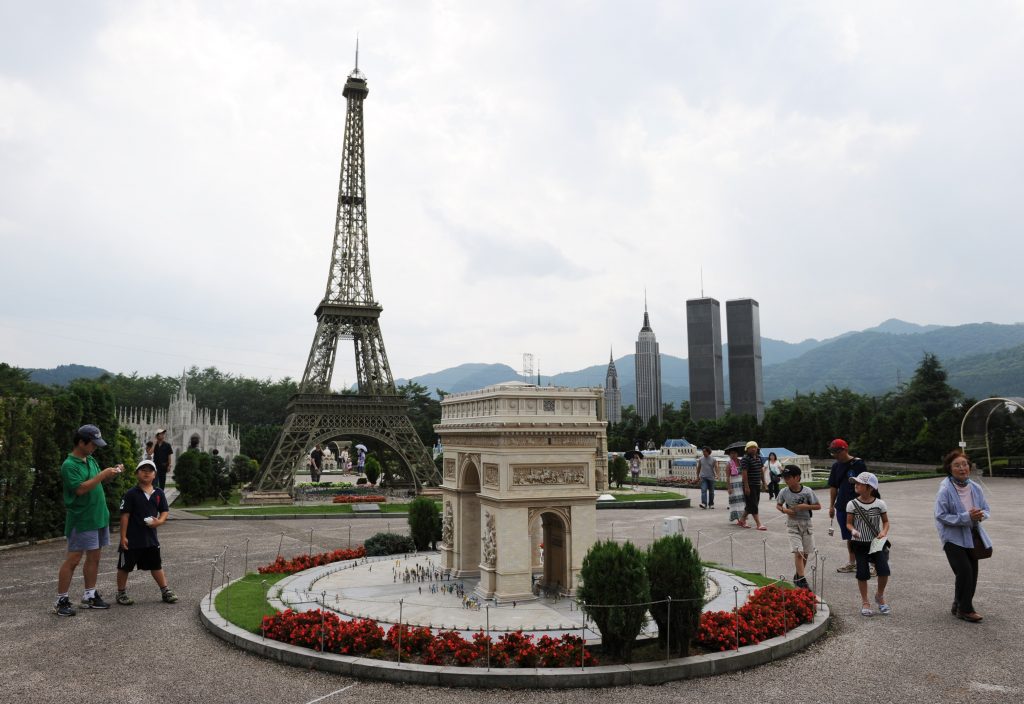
column 646, row 673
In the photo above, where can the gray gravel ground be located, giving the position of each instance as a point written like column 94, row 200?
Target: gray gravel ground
column 158, row 653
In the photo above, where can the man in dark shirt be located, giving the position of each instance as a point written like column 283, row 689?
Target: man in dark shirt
column 162, row 452
column 317, row 457
column 752, row 469
column 841, row 492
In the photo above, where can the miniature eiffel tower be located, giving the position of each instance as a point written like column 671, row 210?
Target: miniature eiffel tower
column 347, row 311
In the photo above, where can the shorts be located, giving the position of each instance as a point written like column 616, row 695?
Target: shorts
column 142, row 558
column 752, row 500
column 86, row 540
column 880, row 559
column 843, row 530
column 801, row 537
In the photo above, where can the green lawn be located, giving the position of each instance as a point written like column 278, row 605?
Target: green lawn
column 290, row 510
column 649, row 496
column 234, row 500
column 244, row 603
column 755, row 577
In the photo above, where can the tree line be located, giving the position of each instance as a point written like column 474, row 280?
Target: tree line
column 918, row 423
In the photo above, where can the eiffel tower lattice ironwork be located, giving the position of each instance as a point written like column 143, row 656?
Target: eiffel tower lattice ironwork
column 347, row 311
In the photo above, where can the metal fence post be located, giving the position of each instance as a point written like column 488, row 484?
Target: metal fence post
column 263, row 611
column 736, row 613
column 245, row 565
column 279, row 544
column 227, row 603
column 764, row 550
column 583, row 636
column 732, row 561
column 311, row 542
column 668, row 631
column 400, row 603
column 213, row 573
column 488, row 636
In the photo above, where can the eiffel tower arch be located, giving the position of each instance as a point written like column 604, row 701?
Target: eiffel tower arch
column 348, row 311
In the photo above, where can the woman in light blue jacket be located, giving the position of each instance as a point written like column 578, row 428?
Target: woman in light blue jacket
column 960, row 509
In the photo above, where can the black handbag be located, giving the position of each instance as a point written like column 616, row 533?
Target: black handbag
column 979, row 551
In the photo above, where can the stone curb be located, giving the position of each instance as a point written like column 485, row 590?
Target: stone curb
column 647, row 673
column 27, row 543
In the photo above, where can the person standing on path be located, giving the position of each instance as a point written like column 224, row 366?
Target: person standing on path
column 707, row 472
column 735, row 478
column 841, row 492
column 143, row 509
column 162, row 452
column 634, row 465
column 316, row 463
column 774, row 475
column 960, row 508
column 867, row 520
column 797, row 502
column 87, row 523
column 752, row 469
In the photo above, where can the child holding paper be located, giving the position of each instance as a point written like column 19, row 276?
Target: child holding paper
column 867, row 519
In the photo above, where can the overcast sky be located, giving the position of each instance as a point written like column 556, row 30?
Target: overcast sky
column 169, row 174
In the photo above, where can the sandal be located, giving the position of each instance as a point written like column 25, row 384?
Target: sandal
column 742, row 524
column 762, row 527
column 866, row 612
column 124, row 600
column 883, row 609
column 851, row 567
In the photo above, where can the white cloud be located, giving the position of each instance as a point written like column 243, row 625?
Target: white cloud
column 531, row 171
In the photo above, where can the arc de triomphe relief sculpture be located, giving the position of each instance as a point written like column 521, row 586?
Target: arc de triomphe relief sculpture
column 522, row 468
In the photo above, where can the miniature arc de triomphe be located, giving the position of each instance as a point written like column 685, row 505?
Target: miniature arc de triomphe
column 522, row 468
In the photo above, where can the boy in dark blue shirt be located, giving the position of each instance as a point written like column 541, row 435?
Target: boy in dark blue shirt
column 143, row 508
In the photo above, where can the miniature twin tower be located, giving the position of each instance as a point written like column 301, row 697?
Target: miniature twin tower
column 707, row 385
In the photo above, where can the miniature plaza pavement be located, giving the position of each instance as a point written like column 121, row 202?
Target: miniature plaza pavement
column 162, row 652
column 376, row 588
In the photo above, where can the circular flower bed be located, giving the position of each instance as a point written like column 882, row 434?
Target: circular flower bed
column 304, row 562
column 769, row 612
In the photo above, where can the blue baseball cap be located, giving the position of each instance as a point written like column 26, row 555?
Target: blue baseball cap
column 91, row 432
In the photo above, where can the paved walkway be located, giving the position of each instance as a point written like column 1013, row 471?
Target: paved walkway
column 156, row 651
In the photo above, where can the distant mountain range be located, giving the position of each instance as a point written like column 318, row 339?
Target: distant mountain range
column 982, row 359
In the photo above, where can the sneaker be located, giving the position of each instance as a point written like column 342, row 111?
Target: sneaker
column 168, row 596
column 703, row 506
column 846, row 569
column 96, row 602
column 123, row 599
column 63, row 607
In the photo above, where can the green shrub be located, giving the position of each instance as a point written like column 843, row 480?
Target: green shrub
column 372, row 469
column 424, row 523
column 674, row 570
column 244, row 469
column 614, row 580
column 618, row 470
column 388, row 544
column 193, row 476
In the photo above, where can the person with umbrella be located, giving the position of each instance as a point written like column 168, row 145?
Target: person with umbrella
column 736, row 499
column 361, row 459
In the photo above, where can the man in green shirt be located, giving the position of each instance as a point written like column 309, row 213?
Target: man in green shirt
column 87, row 524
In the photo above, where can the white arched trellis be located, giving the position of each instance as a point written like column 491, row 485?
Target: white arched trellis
column 974, row 426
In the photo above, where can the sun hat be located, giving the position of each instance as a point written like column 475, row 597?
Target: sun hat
column 750, row 445
column 866, row 478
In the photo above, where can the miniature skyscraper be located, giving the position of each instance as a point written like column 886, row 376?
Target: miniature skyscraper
column 746, row 385
column 648, row 373
column 704, row 340
column 612, row 394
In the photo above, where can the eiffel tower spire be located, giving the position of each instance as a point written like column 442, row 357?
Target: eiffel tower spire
column 348, row 311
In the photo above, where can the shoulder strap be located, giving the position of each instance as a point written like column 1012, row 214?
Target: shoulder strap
column 864, row 517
